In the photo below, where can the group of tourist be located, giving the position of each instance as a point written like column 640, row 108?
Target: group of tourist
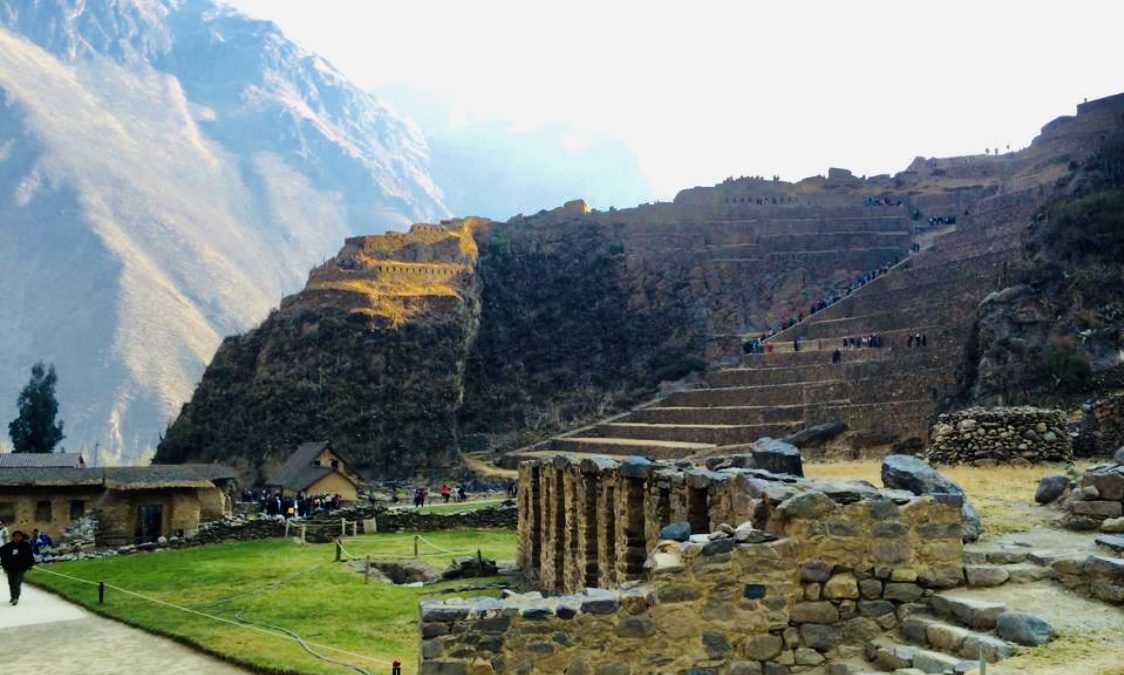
column 863, row 341
column 882, row 201
column 288, row 507
column 423, row 495
column 916, row 340
column 942, row 220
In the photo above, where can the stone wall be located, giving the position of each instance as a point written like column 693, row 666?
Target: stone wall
column 1098, row 496
column 1102, row 428
column 828, row 573
column 592, row 522
column 984, row 436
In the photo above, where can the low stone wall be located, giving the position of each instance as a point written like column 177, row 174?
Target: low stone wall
column 1102, row 429
column 984, row 436
column 1101, row 577
column 731, row 602
column 1097, row 497
column 412, row 521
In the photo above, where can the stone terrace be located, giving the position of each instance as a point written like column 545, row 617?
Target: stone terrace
column 884, row 394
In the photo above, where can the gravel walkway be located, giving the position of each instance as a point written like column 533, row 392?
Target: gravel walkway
column 52, row 635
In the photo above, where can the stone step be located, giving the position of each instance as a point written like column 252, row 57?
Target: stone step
column 972, row 612
column 741, row 414
column 629, row 446
column 951, row 639
column 714, row 434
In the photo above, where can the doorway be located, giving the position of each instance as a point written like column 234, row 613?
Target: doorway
column 150, row 522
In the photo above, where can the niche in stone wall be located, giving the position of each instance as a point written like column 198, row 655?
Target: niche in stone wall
column 592, row 565
column 610, row 571
column 663, row 506
column 698, row 511
column 559, row 495
column 536, row 519
column 636, row 543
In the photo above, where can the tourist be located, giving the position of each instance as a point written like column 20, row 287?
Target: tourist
column 462, row 494
column 3, row 533
column 16, row 558
column 446, row 492
column 40, row 543
column 836, row 356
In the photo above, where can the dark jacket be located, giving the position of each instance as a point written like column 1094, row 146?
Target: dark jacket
column 16, row 557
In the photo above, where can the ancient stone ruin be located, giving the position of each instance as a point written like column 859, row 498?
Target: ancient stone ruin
column 652, row 578
column 988, row 436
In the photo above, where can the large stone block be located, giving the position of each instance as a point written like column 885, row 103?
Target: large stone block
column 1109, row 483
column 763, row 647
column 777, row 456
column 815, row 612
column 820, row 636
column 840, row 587
column 1101, row 509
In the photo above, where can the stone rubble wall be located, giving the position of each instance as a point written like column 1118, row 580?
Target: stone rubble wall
column 987, row 436
column 323, row 529
column 1102, row 428
column 1098, row 496
column 842, row 574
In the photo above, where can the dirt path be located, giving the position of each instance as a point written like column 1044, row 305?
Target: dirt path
column 54, row 636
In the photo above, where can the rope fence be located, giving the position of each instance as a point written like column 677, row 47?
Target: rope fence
column 274, row 631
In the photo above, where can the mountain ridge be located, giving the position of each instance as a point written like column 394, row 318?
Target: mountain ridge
column 143, row 222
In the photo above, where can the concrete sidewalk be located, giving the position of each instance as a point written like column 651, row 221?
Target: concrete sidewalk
column 51, row 635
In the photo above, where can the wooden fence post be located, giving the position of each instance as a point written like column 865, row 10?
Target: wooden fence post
column 339, row 551
column 416, row 545
column 367, row 570
column 101, row 592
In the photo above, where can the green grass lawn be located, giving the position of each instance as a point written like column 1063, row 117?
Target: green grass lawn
column 279, row 583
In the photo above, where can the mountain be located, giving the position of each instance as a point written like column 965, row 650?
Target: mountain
column 407, row 349
column 499, row 169
column 168, row 170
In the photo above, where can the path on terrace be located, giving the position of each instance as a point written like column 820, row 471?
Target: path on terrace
column 46, row 634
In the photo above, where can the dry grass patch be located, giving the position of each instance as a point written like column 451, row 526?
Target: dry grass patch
column 1004, row 495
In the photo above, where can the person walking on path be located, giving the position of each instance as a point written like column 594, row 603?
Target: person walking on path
column 16, row 559
column 3, row 533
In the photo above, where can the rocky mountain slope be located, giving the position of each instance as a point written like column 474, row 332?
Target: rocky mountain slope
column 1053, row 332
column 168, row 170
column 563, row 318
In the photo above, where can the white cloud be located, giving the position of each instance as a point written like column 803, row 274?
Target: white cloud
column 704, row 90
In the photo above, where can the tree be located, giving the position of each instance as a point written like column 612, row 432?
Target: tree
column 35, row 430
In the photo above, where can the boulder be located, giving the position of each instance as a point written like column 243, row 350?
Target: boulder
column 1023, row 628
column 1113, row 525
column 777, row 456
column 905, row 472
column 747, row 534
column 1050, row 488
column 678, row 531
column 810, row 504
column 1118, row 456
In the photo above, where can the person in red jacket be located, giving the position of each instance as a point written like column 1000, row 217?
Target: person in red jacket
column 16, row 559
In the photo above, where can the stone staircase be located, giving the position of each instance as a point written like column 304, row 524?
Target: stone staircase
column 884, row 395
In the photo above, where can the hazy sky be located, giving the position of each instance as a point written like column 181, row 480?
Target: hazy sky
column 703, row 90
